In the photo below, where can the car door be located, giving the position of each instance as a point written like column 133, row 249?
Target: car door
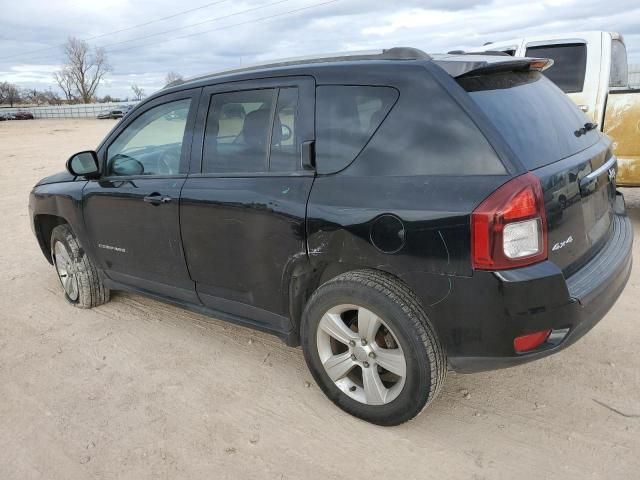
column 132, row 211
column 242, row 209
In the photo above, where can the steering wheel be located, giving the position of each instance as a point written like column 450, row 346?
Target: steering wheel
column 286, row 133
column 168, row 161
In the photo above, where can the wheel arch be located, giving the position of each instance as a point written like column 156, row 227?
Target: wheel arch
column 306, row 280
column 44, row 225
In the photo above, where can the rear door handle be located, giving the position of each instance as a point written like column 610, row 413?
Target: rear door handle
column 156, row 198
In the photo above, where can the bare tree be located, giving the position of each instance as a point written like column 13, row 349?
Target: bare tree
column 52, row 97
column 65, row 81
column 33, row 95
column 9, row 93
column 83, row 71
column 173, row 78
column 138, row 92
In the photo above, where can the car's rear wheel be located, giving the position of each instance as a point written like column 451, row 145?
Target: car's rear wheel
column 79, row 278
column 371, row 348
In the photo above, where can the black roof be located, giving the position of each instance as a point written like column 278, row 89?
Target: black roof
column 456, row 65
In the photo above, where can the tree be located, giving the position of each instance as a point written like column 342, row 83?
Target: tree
column 52, row 97
column 173, row 78
column 32, row 95
column 65, row 81
column 138, row 92
column 83, row 71
column 9, row 93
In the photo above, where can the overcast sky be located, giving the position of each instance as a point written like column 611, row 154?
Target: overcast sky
column 142, row 46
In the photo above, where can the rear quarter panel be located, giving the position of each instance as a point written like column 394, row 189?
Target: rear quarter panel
column 622, row 124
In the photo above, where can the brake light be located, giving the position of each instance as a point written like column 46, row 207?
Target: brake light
column 540, row 64
column 531, row 341
column 509, row 228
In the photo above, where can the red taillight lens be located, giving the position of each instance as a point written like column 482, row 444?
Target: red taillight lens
column 540, row 64
column 531, row 341
column 509, row 228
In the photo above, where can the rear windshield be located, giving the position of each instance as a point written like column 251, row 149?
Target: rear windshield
column 539, row 122
column 569, row 64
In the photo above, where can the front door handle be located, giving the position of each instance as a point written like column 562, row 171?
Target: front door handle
column 156, row 198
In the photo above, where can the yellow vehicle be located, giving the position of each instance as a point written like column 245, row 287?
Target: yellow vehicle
column 591, row 68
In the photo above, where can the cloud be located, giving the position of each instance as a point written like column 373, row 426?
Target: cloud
column 225, row 37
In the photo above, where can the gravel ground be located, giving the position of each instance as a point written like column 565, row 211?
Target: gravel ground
column 137, row 389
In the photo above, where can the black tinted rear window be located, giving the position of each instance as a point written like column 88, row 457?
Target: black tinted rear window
column 569, row 64
column 535, row 118
column 346, row 117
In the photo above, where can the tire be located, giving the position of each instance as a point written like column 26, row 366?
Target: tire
column 563, row 202
column 360, row 300
column 79, row 278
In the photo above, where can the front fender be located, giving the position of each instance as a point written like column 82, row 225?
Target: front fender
column 53, row 204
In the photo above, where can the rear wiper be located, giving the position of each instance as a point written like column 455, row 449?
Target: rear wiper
column 586, row 128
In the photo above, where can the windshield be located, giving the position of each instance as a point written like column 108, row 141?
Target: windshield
column 539, row 122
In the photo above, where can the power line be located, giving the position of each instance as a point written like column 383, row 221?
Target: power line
column 253, row 9
column 246, row 22
column 255, row 20
column 132, row 27
column 159, row 19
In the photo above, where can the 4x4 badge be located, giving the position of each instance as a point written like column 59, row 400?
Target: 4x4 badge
column 559, row 245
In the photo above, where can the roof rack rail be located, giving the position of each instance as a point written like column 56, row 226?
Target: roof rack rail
column 395, row 53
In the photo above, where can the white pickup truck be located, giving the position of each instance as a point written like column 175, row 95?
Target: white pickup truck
column 591, row 68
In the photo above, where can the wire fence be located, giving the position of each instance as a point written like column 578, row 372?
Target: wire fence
column 88, row 110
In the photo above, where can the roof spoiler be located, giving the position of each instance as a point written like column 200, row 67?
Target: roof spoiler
column 486, row 52
column 459, row 66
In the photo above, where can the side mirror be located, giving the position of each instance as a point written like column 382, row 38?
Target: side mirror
column 84, row 164
column 123, row 165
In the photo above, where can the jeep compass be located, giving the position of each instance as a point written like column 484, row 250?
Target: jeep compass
column 397, row 214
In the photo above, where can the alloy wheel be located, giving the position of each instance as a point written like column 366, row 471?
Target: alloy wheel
column 66, row 270
column 361, row 354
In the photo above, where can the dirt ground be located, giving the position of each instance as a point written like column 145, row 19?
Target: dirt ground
column 137, row 389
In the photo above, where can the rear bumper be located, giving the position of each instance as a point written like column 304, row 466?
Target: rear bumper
column 539, row 298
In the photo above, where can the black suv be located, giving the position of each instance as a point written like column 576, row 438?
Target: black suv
column 397, row 214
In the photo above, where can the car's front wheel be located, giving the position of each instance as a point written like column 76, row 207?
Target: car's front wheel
column 79, row 278
column 371, row 348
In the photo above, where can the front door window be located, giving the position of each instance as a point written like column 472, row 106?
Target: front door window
column 152, row 143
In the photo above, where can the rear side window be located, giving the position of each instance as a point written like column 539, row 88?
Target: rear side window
column 619, row 76
column 346, row 118
column 536, row 119
column 569, row 64
column 238, row 131
column 252, row 131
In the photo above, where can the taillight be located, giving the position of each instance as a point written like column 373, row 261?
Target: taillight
column 540, row 64
column 509, row 228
